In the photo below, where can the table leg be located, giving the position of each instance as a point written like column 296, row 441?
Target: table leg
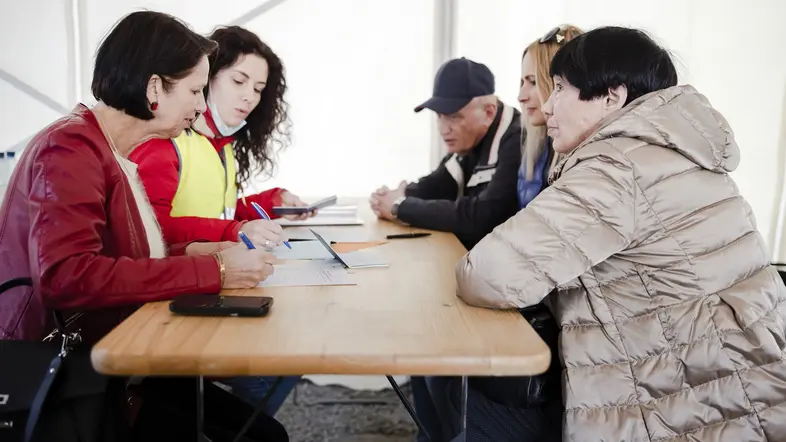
column 407, row 405
column 201, row 410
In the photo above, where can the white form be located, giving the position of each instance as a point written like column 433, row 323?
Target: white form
column 302, row 250
column 308, row 273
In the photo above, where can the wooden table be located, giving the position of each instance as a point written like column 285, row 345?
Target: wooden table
column 404, row 319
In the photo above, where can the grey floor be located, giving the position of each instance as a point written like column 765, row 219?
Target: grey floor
column 308, row 418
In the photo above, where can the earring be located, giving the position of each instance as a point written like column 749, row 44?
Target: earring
column 154, row 105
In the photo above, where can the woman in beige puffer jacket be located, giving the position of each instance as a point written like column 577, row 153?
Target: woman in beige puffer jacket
column 673, row 321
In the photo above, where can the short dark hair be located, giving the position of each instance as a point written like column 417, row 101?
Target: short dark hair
column 141, row 45
column 268, row 126
column 610, row 57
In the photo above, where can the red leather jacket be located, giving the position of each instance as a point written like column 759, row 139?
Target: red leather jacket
column 70, row 222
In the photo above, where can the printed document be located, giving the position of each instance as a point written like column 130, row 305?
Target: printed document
column 308, row 273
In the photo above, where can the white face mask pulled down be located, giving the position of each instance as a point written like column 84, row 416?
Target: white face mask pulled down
column 222, row 127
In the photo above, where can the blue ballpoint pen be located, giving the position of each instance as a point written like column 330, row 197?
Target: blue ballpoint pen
column 245, row 239
column 264, row 215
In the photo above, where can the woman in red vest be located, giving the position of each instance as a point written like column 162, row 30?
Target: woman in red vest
column 193, row 180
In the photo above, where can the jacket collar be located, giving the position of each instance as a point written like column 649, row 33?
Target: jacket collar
column 677, row 118
column 489, row 143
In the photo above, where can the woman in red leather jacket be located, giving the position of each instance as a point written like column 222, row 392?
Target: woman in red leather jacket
column 75, row 218
column 193, row 180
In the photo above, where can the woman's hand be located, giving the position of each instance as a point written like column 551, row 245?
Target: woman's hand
column 288, row 199
column 206, row 248
column 264, row 233
column 245, row 268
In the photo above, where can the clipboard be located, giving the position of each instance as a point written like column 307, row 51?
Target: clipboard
column 353, row 260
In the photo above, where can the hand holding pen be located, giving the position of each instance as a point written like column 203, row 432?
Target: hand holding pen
column 261, row 212
column 264, row 232
column 245, row 265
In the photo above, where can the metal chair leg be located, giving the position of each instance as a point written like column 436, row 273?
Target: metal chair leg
column 260, row 408
column 407, row 405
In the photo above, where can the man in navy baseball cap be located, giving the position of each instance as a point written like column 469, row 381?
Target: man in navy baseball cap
column 474, row 187
column 457, row 82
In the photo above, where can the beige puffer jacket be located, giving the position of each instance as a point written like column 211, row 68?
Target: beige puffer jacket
column 673, row 323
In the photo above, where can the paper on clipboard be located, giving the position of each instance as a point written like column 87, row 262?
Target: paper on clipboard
column 353, row 260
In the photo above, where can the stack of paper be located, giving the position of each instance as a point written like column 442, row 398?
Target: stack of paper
column 329, row 216
column 334, row 235
column 360, row 259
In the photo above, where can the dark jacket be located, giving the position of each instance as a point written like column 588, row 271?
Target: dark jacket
column 469, row 195
column 69, row 221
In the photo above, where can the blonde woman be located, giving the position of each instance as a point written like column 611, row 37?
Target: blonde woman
column 536, row 85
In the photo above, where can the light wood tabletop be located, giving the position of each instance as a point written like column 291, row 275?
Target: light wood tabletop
column 404, row 319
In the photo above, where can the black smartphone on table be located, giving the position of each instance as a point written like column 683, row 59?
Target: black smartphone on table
column 219, row 305
column 286, row 210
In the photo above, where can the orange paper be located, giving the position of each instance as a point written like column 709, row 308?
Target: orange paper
column 345, row 247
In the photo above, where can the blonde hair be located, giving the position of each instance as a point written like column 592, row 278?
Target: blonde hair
column 533, row 138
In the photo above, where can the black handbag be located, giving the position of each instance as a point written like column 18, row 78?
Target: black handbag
column 50, row 391
column 527, row 391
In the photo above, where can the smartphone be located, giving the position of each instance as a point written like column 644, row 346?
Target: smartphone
column 329, row 201
column 218, row 305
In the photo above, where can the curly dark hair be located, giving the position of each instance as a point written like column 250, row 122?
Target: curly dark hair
column 268, row 126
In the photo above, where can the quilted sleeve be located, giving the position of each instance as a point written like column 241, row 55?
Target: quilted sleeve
column 584, row 217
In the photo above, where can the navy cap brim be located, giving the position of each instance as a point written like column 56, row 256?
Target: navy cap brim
column 445, row 106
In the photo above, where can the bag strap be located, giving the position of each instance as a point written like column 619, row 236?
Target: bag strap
column 42, row 393
column 54, row 365
column 16, row 282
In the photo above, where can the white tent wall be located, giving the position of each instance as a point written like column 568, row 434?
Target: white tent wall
column 351, row 86
column 731, row 51
column 356, row 68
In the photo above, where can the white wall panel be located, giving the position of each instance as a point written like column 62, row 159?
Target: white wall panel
column 731, row 51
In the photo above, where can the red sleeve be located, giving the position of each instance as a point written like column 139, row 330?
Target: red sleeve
column 266, row 199
column 158, row 169
column 68, row 198
column 178, row 249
